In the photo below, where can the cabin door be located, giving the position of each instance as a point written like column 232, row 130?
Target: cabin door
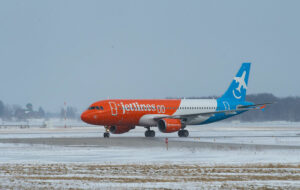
column 113, row 108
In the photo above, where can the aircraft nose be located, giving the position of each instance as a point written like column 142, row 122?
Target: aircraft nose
column 85, row 117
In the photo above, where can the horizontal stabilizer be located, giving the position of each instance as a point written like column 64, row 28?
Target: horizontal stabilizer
column 255, row 106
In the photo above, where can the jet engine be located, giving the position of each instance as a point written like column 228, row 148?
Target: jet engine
column 120, row 129
column 169, row 125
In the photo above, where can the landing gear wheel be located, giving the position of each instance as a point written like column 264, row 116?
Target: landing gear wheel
column 152, row 133
column 183, row 133
column 106, row 135
column 149, row 133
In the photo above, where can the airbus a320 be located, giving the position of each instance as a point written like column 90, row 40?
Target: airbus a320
column 171, row 115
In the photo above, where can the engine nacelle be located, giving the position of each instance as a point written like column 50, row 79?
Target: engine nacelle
column 169, row 125
column 120, row 129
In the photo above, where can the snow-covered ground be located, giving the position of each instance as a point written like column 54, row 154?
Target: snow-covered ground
column 28, row 153
column 159, row 176
column 272, row 162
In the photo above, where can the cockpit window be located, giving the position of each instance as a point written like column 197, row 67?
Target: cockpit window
column 95, row 108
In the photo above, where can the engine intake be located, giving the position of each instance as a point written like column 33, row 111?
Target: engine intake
column 169, row 125
column 120, row 129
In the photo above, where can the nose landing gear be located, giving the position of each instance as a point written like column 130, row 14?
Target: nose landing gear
column 106, row 134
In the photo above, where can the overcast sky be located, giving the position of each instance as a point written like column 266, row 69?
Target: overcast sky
column 85, row 51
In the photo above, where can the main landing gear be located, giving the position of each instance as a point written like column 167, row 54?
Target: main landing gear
column 149, row 133
column 106, row 134
column 183, row 133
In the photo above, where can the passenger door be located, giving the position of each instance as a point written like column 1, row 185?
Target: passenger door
column 113, row 108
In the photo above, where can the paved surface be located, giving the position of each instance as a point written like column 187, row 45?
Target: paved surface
column 142, row 142
column 224, row 136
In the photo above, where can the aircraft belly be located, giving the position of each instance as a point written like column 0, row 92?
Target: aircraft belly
column 197, row 120
column 148, row 120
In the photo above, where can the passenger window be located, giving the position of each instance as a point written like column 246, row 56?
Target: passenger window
column 101, row 108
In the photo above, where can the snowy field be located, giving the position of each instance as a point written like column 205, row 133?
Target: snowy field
column 158, row 176
column 219, row 156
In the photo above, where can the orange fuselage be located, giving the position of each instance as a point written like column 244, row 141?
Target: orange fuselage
column 127, row 112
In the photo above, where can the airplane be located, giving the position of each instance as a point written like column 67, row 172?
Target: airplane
column 171, row 115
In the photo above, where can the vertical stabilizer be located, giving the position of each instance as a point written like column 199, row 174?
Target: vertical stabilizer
column 238, row 87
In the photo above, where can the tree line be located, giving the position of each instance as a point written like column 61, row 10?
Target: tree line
column 19, row 113
column 284, row 109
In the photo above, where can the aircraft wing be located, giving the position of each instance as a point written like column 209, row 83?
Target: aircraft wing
column 207, row 114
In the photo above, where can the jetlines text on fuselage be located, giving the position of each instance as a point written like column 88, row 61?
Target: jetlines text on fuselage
column 142, row 107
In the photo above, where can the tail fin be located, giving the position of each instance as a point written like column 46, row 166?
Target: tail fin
column 238, row 87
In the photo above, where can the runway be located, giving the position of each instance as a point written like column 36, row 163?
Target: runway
column 158, row 142
column 225, row 135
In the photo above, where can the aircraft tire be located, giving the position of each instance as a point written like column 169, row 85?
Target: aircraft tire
column 183, row 133
column 149, row 133
column 152, row 133
column 106, row 135
column 180, row 133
